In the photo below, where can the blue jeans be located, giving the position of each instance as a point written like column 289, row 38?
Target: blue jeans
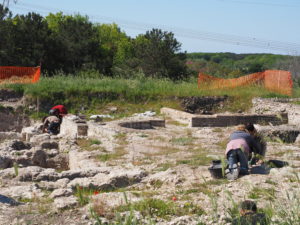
column 237, row 155
column 53, row 128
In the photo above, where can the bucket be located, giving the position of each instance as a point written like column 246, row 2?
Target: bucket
column 216, row 169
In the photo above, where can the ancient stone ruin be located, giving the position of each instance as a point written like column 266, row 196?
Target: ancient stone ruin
column 163, row 156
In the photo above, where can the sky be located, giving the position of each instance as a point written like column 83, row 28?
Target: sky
column 238, row 26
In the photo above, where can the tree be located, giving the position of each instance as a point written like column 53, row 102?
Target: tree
column 115, row 46
column 30, row 35
column 157, row 54
column 74, row 44
column 6, row 41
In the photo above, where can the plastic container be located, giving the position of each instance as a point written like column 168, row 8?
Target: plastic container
column 216, row 169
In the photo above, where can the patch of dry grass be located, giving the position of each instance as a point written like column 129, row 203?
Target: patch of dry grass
column 161, row 150
column 119, row 153
column 89, row 144
column 197, row 157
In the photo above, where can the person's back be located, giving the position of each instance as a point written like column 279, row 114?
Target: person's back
column 62, row 110
column 253, row 145
column 51, row 124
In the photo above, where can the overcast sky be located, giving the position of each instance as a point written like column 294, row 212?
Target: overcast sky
column 239, row 26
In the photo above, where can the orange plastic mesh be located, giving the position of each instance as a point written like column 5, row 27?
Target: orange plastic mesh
column 275, row 80
column 13, row 74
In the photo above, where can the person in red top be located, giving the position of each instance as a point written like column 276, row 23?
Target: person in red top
column 62, row 110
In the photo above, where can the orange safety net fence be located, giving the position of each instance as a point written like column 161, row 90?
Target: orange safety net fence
column 14, row 74
column 275, row 80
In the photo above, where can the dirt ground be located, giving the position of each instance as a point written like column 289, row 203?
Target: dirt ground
column 176, row 159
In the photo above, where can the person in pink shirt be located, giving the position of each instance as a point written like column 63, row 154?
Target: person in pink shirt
column 237, row 151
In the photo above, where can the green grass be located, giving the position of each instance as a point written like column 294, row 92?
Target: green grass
column 84, row 194
column 119, row 153
column 164, row 166
column 182, row 141
column 267, row 193
column 91, row 94
column 197, row 158
column 87, row 144
column 164, row 209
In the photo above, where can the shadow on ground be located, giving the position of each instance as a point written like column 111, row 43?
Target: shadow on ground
column 7, row 200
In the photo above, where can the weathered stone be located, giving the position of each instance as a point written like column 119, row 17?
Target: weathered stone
column 72, row 174
column 5, row 162
column 12, row 120
column 27, row 173
column 37, row 139
column 284, row 172
column 39, row 158
column 51, row 185
column 9, row 135
column 81, row 160
column 61, row 192
column 23, row 161
column 277, row 105
column 35, row 173
column 47, row 175
column 72, row 126
column 7, row 173
column 18, row 145
column 116, row 179
column 29, row 132
column 24, row 191
column 65, row 202
column 183, row 220
column 113, row 199
column 49, row 145
column 284, row 133
column 143, row 124
column 201, row 105
column 52, row 153
column 224, row 120
column 60, row 162
column 65, row 145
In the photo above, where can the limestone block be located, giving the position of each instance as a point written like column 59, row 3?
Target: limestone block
column 9, row 135
column 65, row 202
column 61, row 192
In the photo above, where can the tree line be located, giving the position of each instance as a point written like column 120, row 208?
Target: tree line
column 234, row 65
column 71, row 43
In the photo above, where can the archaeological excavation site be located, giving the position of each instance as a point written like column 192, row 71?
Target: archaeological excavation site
column 148, row 168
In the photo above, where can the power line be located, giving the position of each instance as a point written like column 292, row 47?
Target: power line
column 261, row 3
column 287, row 47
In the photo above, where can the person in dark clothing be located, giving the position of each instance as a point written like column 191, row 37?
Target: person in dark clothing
column 239, row 151
column 249, row 215
column 60, row 111
column 51, row 124
column 241, row 132
column 260, row 141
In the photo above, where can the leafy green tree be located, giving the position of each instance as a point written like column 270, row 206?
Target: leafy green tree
column 6, row 41
column 114, row 44
column 74, row 44
column 30, row 34
column 157, row 54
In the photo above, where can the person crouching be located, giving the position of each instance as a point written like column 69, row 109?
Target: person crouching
column 51, row 124
column 237, row 151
